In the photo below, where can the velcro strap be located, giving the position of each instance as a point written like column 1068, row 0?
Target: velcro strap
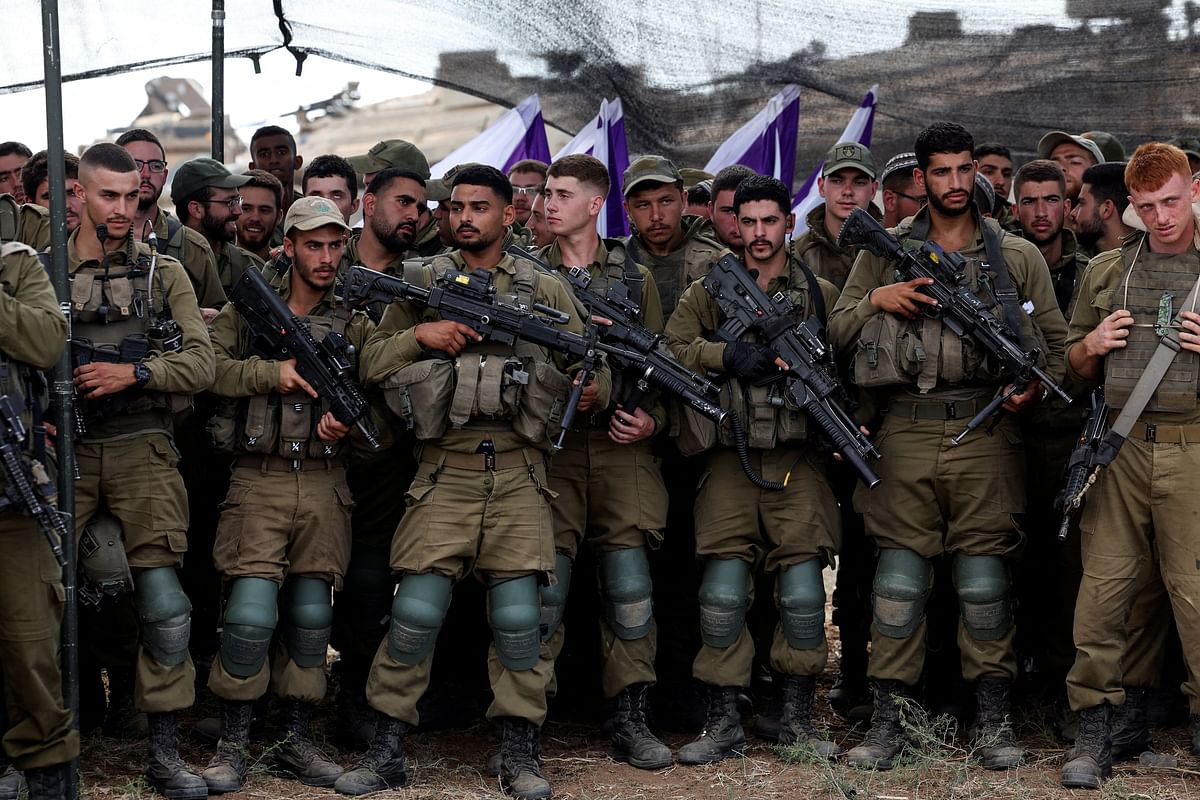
column 463, row 403
column 931, row 342
column 491, row 375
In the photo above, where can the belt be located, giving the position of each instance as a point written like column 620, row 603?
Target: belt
column 273, row 463
column 482, row 462
column 1165, row 434
column 932, row 409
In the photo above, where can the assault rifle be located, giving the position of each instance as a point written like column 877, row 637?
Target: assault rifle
column 957, row 307
column 279, row 333
column 810, row 383
column 1093, row 450
column 28, row 489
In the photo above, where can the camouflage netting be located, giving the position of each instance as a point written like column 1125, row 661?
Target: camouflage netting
column 1009, row 72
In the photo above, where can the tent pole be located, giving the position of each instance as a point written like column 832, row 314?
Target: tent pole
column 218, row 80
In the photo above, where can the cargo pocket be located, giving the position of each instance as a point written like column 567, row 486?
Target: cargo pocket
column 652, row 497
column 230, row 527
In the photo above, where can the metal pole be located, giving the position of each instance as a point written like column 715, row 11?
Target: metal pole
column 218, row 80
column 63, row 390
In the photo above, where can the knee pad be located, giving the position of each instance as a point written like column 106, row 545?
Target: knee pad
column 802, row 604
column 514, row 610
column 554, row 598
column 983, row 596
column 417, row 612
column 625, row 578
column 724, row 595
column 164, row 615
column 309, row 621
column 250, row 619
column 902, row 582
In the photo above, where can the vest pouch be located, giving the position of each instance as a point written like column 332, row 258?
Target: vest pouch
column 296, row 424
column 889, row 352
column 541, row 402
column 761, row 411
column 318, row 447
column 120, row 295
column 695, row 433
column 87, row 294
column 419, row 394
column 489, row 387
column 791, row 424
column 260, row 431
column 222, row 425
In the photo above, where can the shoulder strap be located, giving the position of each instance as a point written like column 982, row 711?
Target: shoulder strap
column 1006, row 290
column 816, row 296
column 174, row 238
column 631, row 275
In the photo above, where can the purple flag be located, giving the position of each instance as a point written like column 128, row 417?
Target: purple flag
column 767, row 143
column 857, row 130
column 516, row 134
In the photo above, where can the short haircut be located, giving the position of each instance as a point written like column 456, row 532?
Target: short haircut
column 381, row 180
column 583, row 168
column 1153, row 164
column 261, row 179
column 762, row 187
column 700, row 194
column 37, row 169
column 483, row 175
column 730, row 178
column 898, row 181
column 1040, row 170
column 331, row 166
column 530, row 165
column 17, row 148
column 1107, row 182
column 141, row 135
column 992, row 149
column 109, row 156
column 942, row 137
column 272, row 130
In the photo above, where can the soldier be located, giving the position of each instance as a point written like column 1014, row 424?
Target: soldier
column 333, row 178
column 901, row 196
column 39, row 737
column 1099, row 212
column 607, row 478
column 738, row 524
column 480, row 500
column 936, row 498
column 134, row 372
column 1110, row 145
column 286, row 520
column 669, row 243
column 206, row 199
column 1141, row 505
column 36, row 181
column 262, row 197
column 528, row 178
column 1073, row 153
column 390, row 153
column 996, row 165
column 724, row 221
column 847, row 182
column 184, row 244
column 273, row 149
column 541, row 233
column 13, row 156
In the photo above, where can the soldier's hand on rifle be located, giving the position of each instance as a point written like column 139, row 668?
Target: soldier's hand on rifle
column 750, row 360
column 625, row 428
column 902, row 299
column 587, row 400
column 445, row 335
column 290, row 380
column 100, row 378
column 329, row 429
column 1034, row 393
column 1189, row 331
column 1111, row 334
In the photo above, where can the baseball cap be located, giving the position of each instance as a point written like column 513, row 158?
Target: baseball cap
column 1109, row 145
column 438, row 189
column 692, row 176
column 901, row 162
column 650, row 168
column 392, row 153
column 194, row 175
column 1190, row 145
column 849, row 154
column 310, row 213
column 1054, row 138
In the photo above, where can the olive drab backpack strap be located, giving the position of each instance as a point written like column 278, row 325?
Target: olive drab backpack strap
column 816, row 296
column 1006, row 290
column 174, row 247
column 630, row 274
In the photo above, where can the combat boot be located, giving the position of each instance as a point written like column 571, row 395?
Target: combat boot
column 632, row 741
column 1131, row 725
column 886, row 737
column 796, row 726
column 166, row 771
column 355, row 717
column 722, row 735
column 47, row 783
column 521, row 760
column 1089, row 761
column 995, row 747
column 11, row 781
column 297, row 755
column 382, row 766
column 227, row 770
column 1196, row 734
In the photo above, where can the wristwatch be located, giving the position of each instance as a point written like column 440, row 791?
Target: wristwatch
column 141, row 375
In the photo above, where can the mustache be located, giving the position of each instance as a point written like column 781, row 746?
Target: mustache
column 462, row 228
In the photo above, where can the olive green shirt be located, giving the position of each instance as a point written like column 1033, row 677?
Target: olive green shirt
column 689, row 262
column 33, row 226
column 32, row 328
column 193, row 251
column 821, row 253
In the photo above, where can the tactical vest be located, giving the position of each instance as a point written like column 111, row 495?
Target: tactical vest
column 488, row 386
column 894, row 351
column 1152, row 287
column 275, row 424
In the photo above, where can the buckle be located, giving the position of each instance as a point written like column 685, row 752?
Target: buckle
column 487, row 448
column 951, row 410
column 1151, row 432
column 297, row 464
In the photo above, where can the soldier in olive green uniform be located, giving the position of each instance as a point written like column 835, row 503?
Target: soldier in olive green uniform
column 936, row 498
column 737, row 524
column 287, row 515
column 39, row 737
column 207, row 201
column 137, row 366
column 1145, row 501
column 480, row 502
column 24, row 222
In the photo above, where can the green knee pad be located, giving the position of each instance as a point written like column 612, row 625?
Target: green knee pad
column 250, row 619
column 417, row 612
column 309, row 620
column 164, row 615
column 902, row 582
column 514, row 610
column 724, row 597
column 625, row 578
column 802, row 604
column 983, row 596
column 554, row 598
